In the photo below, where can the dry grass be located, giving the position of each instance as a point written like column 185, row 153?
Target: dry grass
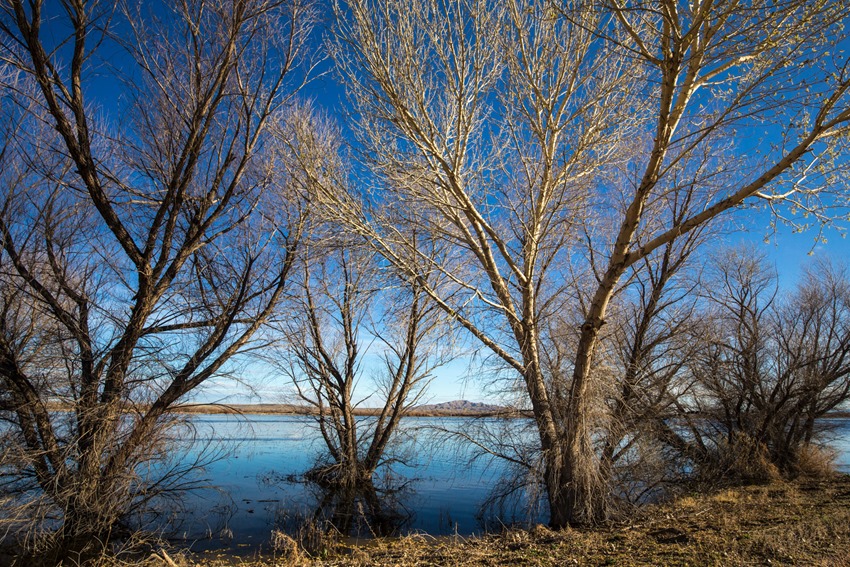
column 801, row 523
column 815, row 462
column 806, row 522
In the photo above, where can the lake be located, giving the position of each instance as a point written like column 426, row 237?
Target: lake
column 257, row 488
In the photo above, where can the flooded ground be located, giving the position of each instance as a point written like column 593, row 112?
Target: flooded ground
column 258, row 486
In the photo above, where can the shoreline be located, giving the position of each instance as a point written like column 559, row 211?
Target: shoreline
column 801, row 522
column 289, row 409
column 425, row 411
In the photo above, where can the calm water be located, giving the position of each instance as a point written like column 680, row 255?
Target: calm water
column 839, row 439
column 255, row 489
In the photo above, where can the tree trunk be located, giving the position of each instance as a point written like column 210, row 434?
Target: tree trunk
column 582, row 496
column 87, row 526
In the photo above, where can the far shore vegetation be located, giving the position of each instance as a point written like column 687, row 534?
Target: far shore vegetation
column 459, row 408
column 291, row 409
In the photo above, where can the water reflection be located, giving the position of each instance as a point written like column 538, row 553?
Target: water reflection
column 363, row 510
column 261, row 487
column 439, row 491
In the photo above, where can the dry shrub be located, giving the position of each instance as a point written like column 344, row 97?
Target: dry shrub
column 317, row 538
column 741, row 460
column 284, row 546
column 813, row 461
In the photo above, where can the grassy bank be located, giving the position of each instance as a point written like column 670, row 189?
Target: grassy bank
column 799, row 523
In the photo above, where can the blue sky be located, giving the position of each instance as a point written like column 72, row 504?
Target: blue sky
column 789, row 252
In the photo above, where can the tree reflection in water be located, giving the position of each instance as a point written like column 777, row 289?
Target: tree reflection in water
column 359, row 510
column 363, row 510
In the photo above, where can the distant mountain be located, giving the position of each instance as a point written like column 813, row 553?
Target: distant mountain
column 460, row 407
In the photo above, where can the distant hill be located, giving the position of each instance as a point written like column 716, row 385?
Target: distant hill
column 459, row 407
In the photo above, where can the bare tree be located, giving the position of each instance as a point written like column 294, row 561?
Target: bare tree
column 813, row 334
column 650, row 340
column 767, row 367
column 135, row 265
column 352, row 311
column 543, row 141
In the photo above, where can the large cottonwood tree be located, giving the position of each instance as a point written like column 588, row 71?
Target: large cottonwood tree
column 544, row 142
column 141, row 142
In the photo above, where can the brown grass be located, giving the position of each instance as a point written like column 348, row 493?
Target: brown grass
column 806, row 522
column 800, row 523
column 815, row 462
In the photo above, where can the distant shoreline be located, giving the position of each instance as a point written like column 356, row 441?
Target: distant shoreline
column 447, row 409
column 291, row 409
column 437, row 410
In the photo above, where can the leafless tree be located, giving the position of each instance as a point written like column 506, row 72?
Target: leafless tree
column 352, row 311
column 542, row 142
column 767, row 367
column 135, row 264
column 650, row 343
column 813, row 332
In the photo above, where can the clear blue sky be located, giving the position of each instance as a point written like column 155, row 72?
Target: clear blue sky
column 789, row 252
